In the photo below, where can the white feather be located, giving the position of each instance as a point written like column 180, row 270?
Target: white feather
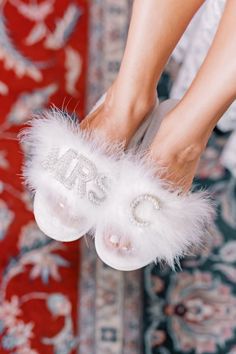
column 54, row 129
column 179, row 224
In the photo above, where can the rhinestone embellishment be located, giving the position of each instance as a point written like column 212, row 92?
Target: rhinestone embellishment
column 135, row 218
column 83, row 171
column 101, row 183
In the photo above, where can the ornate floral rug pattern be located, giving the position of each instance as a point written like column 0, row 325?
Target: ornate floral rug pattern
column 43, row 60
column 194, row 310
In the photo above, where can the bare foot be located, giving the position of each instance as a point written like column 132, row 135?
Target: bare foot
column 176, row 152
column 177, row 149
column 119, row 116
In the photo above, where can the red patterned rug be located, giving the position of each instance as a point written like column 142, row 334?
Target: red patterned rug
column 43, row 60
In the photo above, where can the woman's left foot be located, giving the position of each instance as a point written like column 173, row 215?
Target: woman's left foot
column 176, row 154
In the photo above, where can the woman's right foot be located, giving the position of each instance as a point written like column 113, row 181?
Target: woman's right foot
column 119, row 116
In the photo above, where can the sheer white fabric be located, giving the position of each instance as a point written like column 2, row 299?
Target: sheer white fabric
column 190, row 53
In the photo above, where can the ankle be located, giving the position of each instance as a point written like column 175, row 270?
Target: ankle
column 128, row 106
column 176, row 142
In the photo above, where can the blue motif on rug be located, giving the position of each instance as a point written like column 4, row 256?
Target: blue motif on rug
column 193, row 310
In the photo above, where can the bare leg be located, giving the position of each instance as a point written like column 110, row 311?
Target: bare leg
column 155, row 28
column 185, row 131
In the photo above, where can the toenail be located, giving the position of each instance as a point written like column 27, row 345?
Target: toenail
column 114, row 239
column 61, row 205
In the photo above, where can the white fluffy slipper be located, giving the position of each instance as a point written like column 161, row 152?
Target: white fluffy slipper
column 71, row 172
column 81, row 183
column 145, row 222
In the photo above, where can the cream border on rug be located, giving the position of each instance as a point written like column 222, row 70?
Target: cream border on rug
column 110, row 301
